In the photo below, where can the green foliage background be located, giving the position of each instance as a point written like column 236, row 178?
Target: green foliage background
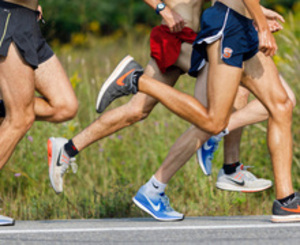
column 65, row 17
column 111, row 170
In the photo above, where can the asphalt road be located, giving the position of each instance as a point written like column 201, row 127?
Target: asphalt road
column 198, row 230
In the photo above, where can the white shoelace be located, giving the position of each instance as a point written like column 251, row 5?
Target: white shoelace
column 71, row 163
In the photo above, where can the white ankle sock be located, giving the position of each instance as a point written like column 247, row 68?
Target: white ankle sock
column 222, row 134
column 154, row 186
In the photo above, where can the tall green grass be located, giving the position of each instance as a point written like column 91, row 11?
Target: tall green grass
column 111, row 170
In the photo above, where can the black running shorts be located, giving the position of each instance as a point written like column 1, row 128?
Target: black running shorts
column 20, row 25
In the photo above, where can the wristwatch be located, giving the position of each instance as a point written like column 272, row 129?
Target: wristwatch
column 160, row 7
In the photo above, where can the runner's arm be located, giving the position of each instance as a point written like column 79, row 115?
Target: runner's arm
column 173, row 20
column 267, row 43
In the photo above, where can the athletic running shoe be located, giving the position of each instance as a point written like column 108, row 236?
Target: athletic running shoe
column 287, row 213
column 59, row 162
column 5, row 221
column 158, row 206
column 205, row 154
column 242, row 180
column 122, row 81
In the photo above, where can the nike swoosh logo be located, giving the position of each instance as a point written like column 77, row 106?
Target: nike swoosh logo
column 120, row 80
column 241, row 183
column 155, row 207
column 155, row 186
column 57, row 162
column 207, row 147
column 297, row 210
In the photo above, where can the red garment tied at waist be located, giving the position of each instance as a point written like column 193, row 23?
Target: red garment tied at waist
column 165, row 46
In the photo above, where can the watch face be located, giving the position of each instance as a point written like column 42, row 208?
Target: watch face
column 160, row 6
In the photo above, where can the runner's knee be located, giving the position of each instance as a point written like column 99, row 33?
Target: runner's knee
column 66, row 110
column 283, row 109
column 21, row 120
column 137, row 112
column 216, row 125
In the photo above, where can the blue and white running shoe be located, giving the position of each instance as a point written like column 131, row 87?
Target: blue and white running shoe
column 6, row 221
column 205, row 154
column 158, row 206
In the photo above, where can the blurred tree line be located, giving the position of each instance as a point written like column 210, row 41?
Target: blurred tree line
column 65, row 17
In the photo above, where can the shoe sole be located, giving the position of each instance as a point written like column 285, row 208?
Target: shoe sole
column 123, row 63
column 51, row 146
column 228, row 187
column 8, row 224
column 201, row 164
column 137, row 203
column 285, row 218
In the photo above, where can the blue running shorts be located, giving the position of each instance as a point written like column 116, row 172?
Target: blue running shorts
column 239, row 38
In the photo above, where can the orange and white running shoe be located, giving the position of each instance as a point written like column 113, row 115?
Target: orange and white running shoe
column 58, row 161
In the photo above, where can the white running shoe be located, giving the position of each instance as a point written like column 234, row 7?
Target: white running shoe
column 5, row 221
column 242, row 180
column 58, row 161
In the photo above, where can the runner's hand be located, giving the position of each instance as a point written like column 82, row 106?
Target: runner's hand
column 267, row 43
column 40, row 12
column 272, row 15
column 173, row 20
column 274, row 25
column 273, row 19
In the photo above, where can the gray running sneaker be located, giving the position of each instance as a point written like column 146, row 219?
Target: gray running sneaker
column 6, row 221
column 58, row 161
column 289, row 212
column 122, row 81
column 242, row 180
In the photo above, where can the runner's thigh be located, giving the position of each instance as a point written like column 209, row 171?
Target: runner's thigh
column 16, row 83
column 52, row 82
column 262, row 79
column 223, row 83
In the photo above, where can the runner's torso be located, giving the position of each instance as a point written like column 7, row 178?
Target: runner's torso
column 189, row 11
column 238, row 6
column 32, row 4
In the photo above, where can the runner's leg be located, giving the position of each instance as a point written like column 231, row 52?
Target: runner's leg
column 255, row 112
column 138, row 108
column 233, row 140
column 266, row 86
column 17, row 89
column 59, row 101
column 224, row 86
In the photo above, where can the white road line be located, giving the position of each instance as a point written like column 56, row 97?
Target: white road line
column 162, row 228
